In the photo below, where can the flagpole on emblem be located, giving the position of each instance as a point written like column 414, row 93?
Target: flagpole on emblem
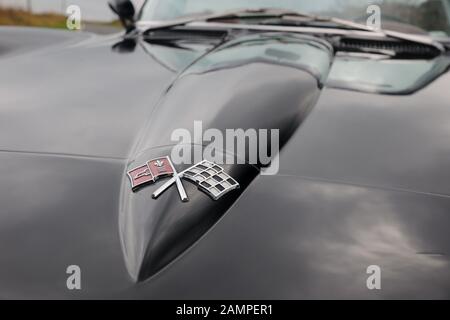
column 167, row 184
column 176, row 179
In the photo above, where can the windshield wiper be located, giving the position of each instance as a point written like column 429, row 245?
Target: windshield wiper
column 231, row 14
column 358, row 26
column 292, row 15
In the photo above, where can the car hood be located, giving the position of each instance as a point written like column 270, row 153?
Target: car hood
column 53, row 97
column 79, row 111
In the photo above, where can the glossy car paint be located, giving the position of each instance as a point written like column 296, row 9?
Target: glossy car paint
column 362, row 178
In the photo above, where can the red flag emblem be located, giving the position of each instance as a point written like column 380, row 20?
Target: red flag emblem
column 150, row 172
column 161, row 167
column 140, row 176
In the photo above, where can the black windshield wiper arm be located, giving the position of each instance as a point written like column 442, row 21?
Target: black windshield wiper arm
column 232, row 14
column 359, row 26
column 292, row 15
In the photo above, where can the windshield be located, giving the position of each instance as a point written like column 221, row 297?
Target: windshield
column 411, row 16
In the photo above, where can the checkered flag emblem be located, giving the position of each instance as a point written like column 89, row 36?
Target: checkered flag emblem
column 211, row 179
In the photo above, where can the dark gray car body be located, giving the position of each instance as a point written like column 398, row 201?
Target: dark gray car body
column 364, row 175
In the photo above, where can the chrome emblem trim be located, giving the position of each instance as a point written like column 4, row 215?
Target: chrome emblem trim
column 208, row 176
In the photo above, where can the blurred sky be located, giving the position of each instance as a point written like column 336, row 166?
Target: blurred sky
column 90, row 9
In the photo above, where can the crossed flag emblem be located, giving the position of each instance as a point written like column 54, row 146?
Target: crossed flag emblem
column 208, row 176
